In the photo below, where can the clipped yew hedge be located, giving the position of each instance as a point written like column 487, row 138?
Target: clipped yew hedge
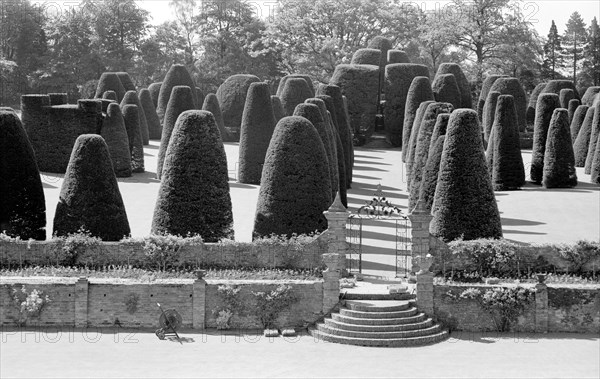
column 464, row 86
column 367, row 56
column 593, row 140
column 489, row 114
column 283, row 80
column 577, row 121
column 154, row 89
column 445, row 89
column 565, row 95
column 211, row 104
column 572, row 107
column 412, row 143
column 554, row 86
column 397, row 56
column 232, row 98
column 177, row 75
column 131, row 116
column 559, row 159
column 419, row 91
column 582, row 143
column 117, row 141
column 431, row 171
column 588, row 96
column 531, row 106
column 109, row 81
column 485, row 90
column 294, row 92
column 277, row 108
column 512, row 86
column 547, row 103
column 152, row 120
column 131, row 97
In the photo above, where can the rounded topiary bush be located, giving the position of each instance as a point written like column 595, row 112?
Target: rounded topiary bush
column 593, row 140
column 565, row 95
column 547, row 103
column 419, row 91
column 211, row 104
column 110, row 95
column 464, row 204
column 485, row 90
column 154, row 89
column 464, row 87
column 258, row 123
column 430, row 172
column 199, row 97
column 194, row 191
column 283, row 80
column 232, row 98
column 131, row 97
column 177, row 75
column 582, row 143
column 508, row 172
column 312, row 113
column 573, row 105
column 398, row 80
column 554, row 86
column 489, row 114
column 559, row 160
column 530, row 111
column 294, row 92
column 22, row 201
column 397, row 56
column 577, row 121
column 134, row 136
column 115, row 136
column 293, row 194
column 512, row 86
column 367, row 56
column 381, row 43
column 89, row 197
column 152, row 120
column 439, row 129
column 181, row 100
column 595, row 171
column 277, row 108
column 445, row 89
column 109, row 81
column 588, row 96
column 412, row 142
column 126, row 81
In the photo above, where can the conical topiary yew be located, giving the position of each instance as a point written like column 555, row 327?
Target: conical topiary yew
column 293, row 194
column 22, row 202
column 572, row 108
column 530, row 111
column 110, row 95
column 489, row 114
column 134, row 135
column 211, row 104
column 430, row 172
column 464, row 205
column 194, row 198
column 152, row 120
column 90, row 199
column 577, row 121
column 131, row 97
column 582, row 143
column 445, row 89
column 547, row 103
column 177, row 75
column 109, row 81
column 485, row 90
column 412, row 142
column 593, row 140
column 294, row 92
column 419, row 91
column 232, row 99
column 559, row 160
column 126, row 81
column 366, row 56
column 555, row 86
column 258, row 123
column 595, row 171
column 277, row 108
column 512, row 86
column 283, row 80
column 154, row 89
column 464, row 87
column 588, row 96
column 565, row 95
column 115, row 136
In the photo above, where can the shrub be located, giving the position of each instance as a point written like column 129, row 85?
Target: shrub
column 90, row 198
column 199, row 97
column 431, row 170
column 559, row 160
column 577, row 121
column 398, row 80
column 485, row 90
column 367, row 56
column 512, row 86
column 572, row 107
column 593, row 140
column 154, row 90
column 381, row 43
column 258, row 123
column 422, row 148
column 588, row 96
column 312, row 113
column 397, row 56
column 464, row 203
column 294, row 92
column 530, row 112
column 565, row 95
column 419, row 91
column 554, row 86
column 412, row 142
column 211, row 104
column 110, row 95
column 232, row 99
column 149, row 110
column 277, row 108
column 445, row 89
column 22, row 201
column 582, row 143
column 162, row 250
column 109, row 81
column 283, row 80
column 464, row 87
column 194, row 191
column 293, row 194
column 126, row 81
column 595, row 169
column 115, row 136
column 177, row 75
column 181, row 100
column 547, row 103
column 579, row 254
column 131, row 97
column 29, row 305
column 134, row 136
column 508, row 172
column 270, row 305
column 489, row 114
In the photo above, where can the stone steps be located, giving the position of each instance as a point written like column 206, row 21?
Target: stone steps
column 388, row 342
column 378, row 321
column 379, row 305
column 377, row 296
column 373, row 314
column 379, row 328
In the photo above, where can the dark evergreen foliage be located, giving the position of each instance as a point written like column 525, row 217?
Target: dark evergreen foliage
column 464, row 87
column 554, row 86
column 593, row 140
column 512, row 86
column 445, row 89
column 115, row 136
column 431, row 171
column 367, row 56
column 565, row 95
column 109, row 81
column 258, row 123
column 232, row 99
column 577, row 121
column 547, row 103
column 126, row 81
column 105, row 104
column 131, row 97
column 211, row 104
column 489, row 114
column 22, row 201
column 152, row 120
column 293, row 194
column 110, row 95
column 277, row 108
column 419, row 91
column 595, row 172
column 588, row 96
column 131, row 118
column 412, row 142
column 58, row 98
column 200, row 97
column 194, row 194
column 573, row 104
column 530, row 112
column 177, row 75
column 384, row 45
column 397, row 56
column 485, row 90
column 283, row 80
column 559, row 160
column 582, row 143
column 464, row 204
column 294, row 92
column 154, row 89
column 90, row 198
column 181, row 100
column 439, row 129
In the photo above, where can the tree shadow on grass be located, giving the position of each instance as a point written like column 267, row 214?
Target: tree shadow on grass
column 242, row 185
column 370, row 162
column 517, row 221
column 368, row 168
column 142, row 177
column 510, row 231
column 152, row 147
column 354, row 176
column 581, row 187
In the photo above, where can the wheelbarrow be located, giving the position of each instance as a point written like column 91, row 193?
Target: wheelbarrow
column 169, row 321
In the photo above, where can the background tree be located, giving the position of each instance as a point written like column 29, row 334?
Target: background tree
column 573, row 40
column 553, row 54
column 591, row 54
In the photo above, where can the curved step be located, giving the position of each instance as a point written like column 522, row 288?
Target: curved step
column 377, row 305
column 384, row 342
column 379, row 335
column 378, row 315
column 378, row 296
column 378, row 328
column 378, row 321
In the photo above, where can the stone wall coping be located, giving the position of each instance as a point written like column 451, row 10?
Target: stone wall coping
column 260, row 281
column 118, row 281
column 524, row 285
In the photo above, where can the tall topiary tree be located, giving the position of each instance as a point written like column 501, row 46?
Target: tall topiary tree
column 582, row 143
column 152, row 120
column 134, row 136
column 412, row 143
column 293, row 194
column 430, row 173
column 593, row 140
column 110, row 95
column 530, row 111
column 89, row 197
column 577, row 121
column 181, row 100
column 554, row 86
column 294, row 92
column 595, row 172
column 464, row 204
column 22, row 202
column 445, row 89
column 397, row 56
column 126, row 81
column 194, row 191
column 367, row 56
column 512, row 86
column 283, row 80
column 398, row 80
column 177, row 75
column 131, row 97
column 258, row 123
column 547, row 103
column 199, row 97
column 485, row 90
column 464, row 87
column 109, row 81
column 277, row 108
column 489, row 114
column 419, row 91
column 211, row 104
column 508, row 172
column 115, row 136
column 154, row 89
column 573, row 104
column 232, row 99
column 588, row 96
column 384, row 45
column 559, row 160
column 565, row 95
